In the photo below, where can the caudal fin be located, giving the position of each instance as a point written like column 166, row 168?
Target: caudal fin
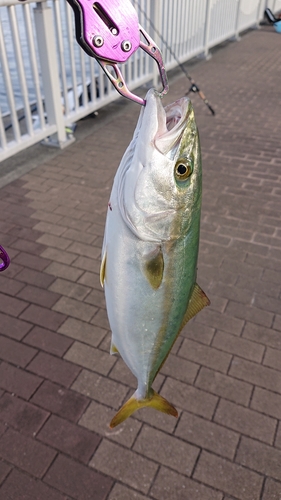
column 154, row 400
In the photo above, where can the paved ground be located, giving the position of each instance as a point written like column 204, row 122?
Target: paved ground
column 59, row 386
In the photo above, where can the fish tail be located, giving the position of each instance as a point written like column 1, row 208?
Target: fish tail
column 154, row 400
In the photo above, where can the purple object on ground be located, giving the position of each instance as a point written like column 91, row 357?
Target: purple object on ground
column 5, row 259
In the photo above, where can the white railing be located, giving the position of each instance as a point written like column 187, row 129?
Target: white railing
column 47, row 82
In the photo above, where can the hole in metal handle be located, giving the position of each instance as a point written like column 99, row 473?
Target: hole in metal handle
column 105, row 18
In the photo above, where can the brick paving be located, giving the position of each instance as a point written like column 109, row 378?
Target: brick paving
column 59, row 387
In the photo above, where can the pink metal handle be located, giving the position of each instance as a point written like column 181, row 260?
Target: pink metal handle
column 107, row 29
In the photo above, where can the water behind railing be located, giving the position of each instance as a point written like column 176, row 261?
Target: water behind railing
column 6, row 26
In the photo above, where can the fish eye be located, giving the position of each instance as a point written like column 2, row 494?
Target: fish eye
column 183, row 170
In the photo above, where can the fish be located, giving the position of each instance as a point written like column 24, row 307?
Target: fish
column 150, row 248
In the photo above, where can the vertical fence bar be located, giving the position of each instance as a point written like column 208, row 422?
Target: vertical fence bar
column 156, row 21
column 49, row 69
column 236, row 36
column 93, row 81
column 33, row 64
column 207, row 28
column 69, row 14
column 9, row 87
column 58, row 24
column 20, row 69
column 3, row 142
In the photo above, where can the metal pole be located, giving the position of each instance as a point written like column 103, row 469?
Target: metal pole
column 155, row 7
column 49, row 70
column 207, row 29
column 237, row 28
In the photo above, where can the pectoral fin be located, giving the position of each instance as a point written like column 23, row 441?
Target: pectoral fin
column 154, row 268
column 154, row 400
column 103, row 269
column 197, row 301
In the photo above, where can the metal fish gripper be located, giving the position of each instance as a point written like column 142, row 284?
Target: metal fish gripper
column 109, row 31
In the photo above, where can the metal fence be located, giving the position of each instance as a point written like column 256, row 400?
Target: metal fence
column 47, row 82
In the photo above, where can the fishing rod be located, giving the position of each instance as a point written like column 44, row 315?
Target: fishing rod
column 194, row 87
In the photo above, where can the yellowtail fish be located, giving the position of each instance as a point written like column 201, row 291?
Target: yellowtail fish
column 150, row 248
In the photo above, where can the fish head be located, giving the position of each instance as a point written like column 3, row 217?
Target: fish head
column 162, row 183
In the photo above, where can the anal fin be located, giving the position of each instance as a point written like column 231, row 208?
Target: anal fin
column 103, row 269
column 113, row 349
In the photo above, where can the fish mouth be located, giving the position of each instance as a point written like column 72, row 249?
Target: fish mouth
column 172, row 122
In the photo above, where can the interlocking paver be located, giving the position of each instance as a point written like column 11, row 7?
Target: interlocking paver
column 12, row 305
column 205, row 355
column 266, row 402
column 18, row 381
column 38, row 296
column 75, row 441
column 26, row 453
column 75, row 308
column 33, row 277
column 20, row 415
column 13, row 327
column 60, row 270
column 100, row 388
column 166, row 449
column 229, row 477
column 121, row 492
column 59, row 387
column 97, row 418
column 180, row 368
column 246, row 421
column 260, row 457
column 225, row 386
column 4, row 471
column 254, row 373
column 199, row 332
column 189, row 398
column 272, row 490
column 266, row 336
column 239, row 346
column 53, row 368
column 207, row 435
column 169, row 485
column 77, row 480
column 116, row 461
column 16, row 352
column 48, row 341
column 89, row 357
column 79, row 330
column 61, row 401
column 70, row 289
column 11, row 287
